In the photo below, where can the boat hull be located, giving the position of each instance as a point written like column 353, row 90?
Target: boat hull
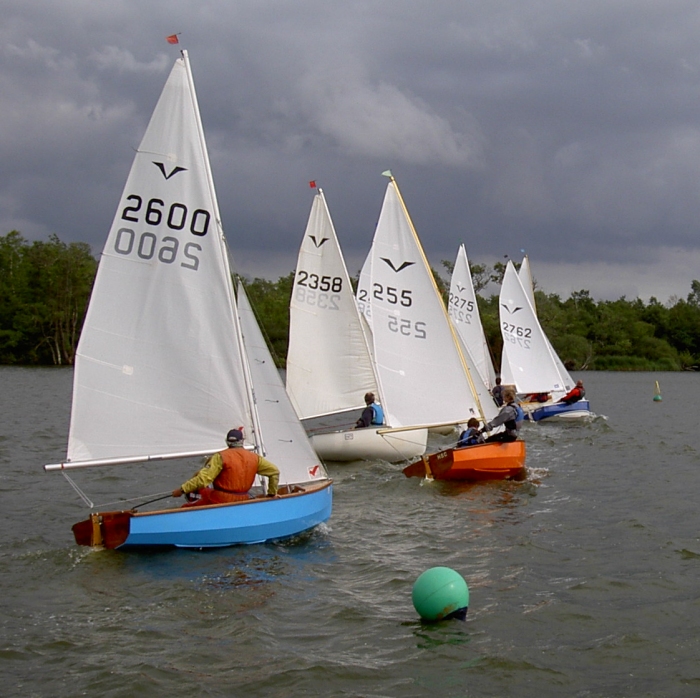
column 214, row 526
column 369, row 444
column 490, row 461
column 559, row 410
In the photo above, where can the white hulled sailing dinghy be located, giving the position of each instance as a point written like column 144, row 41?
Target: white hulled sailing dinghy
column 464, row 312
column 424, row 372
column 329, row 365
column 529, row 361
column 162, row 369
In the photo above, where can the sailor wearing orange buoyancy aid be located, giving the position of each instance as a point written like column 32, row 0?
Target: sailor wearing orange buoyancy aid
column 231, row 474
column 575, row 394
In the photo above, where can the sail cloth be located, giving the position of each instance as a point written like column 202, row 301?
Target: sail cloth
column 329, row 368
column 421, row 368
column 285, row 442
column 525, row 276
column 464, row 311
column 161, row 346
column 528, row 360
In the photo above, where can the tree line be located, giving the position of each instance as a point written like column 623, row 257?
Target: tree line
column 45, row 287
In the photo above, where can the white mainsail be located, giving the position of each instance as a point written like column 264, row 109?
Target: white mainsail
column 525, row 276
column 528, row 361
column 464, row 311
column 329, row 368
column 159, row 368
column 422, row 370
column 285, row 442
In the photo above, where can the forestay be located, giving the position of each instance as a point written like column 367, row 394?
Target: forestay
column 329, row 368
column 421, row 368
column 159, row 366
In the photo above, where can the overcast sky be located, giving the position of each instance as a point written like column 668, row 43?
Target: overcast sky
column 566, row 128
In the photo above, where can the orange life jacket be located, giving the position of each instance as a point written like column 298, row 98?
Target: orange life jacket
column 239, row 471
column 234, row 480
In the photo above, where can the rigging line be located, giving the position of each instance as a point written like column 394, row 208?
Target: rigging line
column 159, row 495
column 90, row 504
column 81, row 494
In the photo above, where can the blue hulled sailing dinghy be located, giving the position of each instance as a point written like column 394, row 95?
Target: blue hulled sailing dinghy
column 168, row 361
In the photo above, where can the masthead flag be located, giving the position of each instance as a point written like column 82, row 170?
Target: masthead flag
column 312, row 183
column 172, row 39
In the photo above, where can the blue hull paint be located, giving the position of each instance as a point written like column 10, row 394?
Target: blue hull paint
column 218, row 526
column 560, row 410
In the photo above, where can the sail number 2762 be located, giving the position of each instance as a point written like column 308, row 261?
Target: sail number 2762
column 176, row 217
column 517, row 334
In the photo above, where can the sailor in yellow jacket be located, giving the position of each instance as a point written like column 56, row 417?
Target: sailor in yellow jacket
column 231, row 474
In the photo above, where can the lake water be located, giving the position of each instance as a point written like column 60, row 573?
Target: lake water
column 583, row 578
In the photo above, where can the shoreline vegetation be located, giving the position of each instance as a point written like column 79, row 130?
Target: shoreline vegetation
column 45, row 287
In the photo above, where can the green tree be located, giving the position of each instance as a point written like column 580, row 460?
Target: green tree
column 270, row 302
column 44, row 290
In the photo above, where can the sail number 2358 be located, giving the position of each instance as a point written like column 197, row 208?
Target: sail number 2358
column 167, row 249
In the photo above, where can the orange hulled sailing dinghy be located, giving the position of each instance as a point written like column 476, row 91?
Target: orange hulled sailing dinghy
column 489, row 461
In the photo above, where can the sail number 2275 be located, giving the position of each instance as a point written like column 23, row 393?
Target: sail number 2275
column 176, row 217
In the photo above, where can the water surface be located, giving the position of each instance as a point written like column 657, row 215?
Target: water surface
column 583, row 578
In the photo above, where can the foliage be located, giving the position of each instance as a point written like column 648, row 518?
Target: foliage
column 270, row 302
column 44, row 290
column 45, row 287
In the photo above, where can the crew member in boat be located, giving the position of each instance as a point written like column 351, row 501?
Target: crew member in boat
column 372, row 415
column 471, row 435
column 231, row 473
column 574, row 395
column 497, row 392
column 508, row 417
column 537, row 397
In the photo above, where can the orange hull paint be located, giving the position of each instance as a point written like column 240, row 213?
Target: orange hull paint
column 492, row 461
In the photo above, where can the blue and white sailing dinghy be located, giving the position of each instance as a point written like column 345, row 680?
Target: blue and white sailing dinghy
column 529, row 361
column 166, row 365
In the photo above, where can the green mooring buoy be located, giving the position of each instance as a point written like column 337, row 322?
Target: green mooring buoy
column 657, row 392
column 440, row 593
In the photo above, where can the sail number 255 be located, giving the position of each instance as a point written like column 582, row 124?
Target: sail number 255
column 392, row 295
column 407, row 328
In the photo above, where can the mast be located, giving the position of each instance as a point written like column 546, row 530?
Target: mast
column 252, row 408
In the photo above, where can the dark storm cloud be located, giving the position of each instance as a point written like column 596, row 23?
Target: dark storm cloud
column 569, row 129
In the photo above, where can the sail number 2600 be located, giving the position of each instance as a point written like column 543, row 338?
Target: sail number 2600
column 168, row 250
